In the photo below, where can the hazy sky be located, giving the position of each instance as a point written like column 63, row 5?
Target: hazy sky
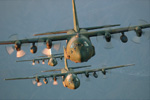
column 27, row 17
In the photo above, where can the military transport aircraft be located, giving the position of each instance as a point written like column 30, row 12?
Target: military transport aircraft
column 79, row 47
column 69, row 76
column 51, row 59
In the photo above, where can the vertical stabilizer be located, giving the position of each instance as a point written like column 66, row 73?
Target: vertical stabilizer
column 75, row 19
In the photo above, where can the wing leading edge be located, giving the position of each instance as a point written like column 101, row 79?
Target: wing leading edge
column 67, row 36
column 76, row 72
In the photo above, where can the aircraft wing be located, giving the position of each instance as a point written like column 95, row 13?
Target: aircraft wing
column 45, row 58
column 100, row 27
column 67, row 36
column 40, row 76
column 101, row 69
column 114, row 31
column 63, row 74
column 47, row 33
column 86, row 28
column 41, row 39
column 68, row 68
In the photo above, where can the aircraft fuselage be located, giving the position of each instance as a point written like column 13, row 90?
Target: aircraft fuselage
column 79, row 49
column 70, row 81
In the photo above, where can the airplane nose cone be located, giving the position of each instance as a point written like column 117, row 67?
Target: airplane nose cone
column 82, row 56
column 76, row 84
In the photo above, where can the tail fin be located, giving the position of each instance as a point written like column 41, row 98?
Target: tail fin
column 75, row 18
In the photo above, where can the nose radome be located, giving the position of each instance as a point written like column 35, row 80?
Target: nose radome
column 77, row 84
column 81, row 56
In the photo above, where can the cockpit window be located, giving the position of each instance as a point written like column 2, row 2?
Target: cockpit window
column 79, row 45
column 86, row 44
column 73, row 45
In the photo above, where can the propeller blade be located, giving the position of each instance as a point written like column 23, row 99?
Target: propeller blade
column 20, row 53
column 43, row 62
column 13, row 37
column 34, row 82
column 142, row 21
column 47, row 52
column 55, row 83
column 98, row 38
column 39, row 84
column 41, row 42
column 136, row 39
column 116, row 36
column 50, row 79
column 104, row 77
column 147, row 34
column 33, row 63
column 108, row 45
column 57, row 46
column 87, row 80
column 9, row 50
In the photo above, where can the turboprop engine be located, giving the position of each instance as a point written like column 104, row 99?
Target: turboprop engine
column 52, row 62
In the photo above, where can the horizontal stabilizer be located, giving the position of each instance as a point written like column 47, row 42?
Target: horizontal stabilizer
column 99, row 27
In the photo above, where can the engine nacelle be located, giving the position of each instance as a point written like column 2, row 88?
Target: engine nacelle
column 18, row 45
column 107, row 36
column 103, row 71
column 87, row 74
column 45, row 81
column 123, row 38
column 48, row 44
column 138, row 31
column 33, row 49
column 37, row 79
column 95, row 75
column 52, row 62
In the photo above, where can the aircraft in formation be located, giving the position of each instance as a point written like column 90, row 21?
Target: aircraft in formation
column 69, row 76
column 78, row 49
column 51, row 59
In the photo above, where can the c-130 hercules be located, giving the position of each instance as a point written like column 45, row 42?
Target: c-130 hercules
column 69, row 76
column 79, row 47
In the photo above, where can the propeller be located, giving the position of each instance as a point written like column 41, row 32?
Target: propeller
column 87, row 79
column 137, row 39
column 55, row 81
column 47, row 52
column 38, row 83
column 34, row 82
column 20, row 53
column 104, row 72
column 49, row 44
column 17, row 46
column 108, row 44
column 57, row 46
